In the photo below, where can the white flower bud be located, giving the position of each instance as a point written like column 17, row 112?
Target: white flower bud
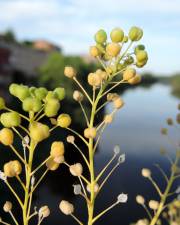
column 122, row 198
column 140, row 199
column 66, row 207
column 153, row 204
column 76, row 169
column 44, row 211
column 146, row 172
column 7, row 206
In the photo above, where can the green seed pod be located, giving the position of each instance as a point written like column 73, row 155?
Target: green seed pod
column 39, row 131
column 20, row 91
column 113, row 49
column 51, row 107
column 100, row 37
column 64, row 120
column 60, row 93
column 13, row 89
column 10, row 119
column 141, row 56
column 32, row 90
column 141, row 64
column 40, row 93
column 31, row 104
column 2, row 103
column 138, row 48
column 117, row 35
column 135, row 33
column 129, row 60
column 50, row 95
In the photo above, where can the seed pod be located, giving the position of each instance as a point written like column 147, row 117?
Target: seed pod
column 31, row 104
column 118, row 103
column 60, row 93
column 90, row 132
column 129, row 73
column 76, row 169
column 169, row 121
column 6, row 136
column 64, row 120
column 96, row 188
column 153, row 204
column 12, row 168
column 135, row 33
column 141, row 64
column 117, row 35
column 135, row 80
column 112, row 96
column 70, row 72
column 94, row 52
column 66, row 207
column 7, row 206
column 40, row 93
column 113, row 49
column 140, row 199
column 2, row 103
column 20, row 91
column 141, row 56
column 70, row 139
column 39, row 131
column 60, row 159
column 94, row 79
column 102, row 74
column 108, row 119
column 139, row 48
column 100, row 37
column 146, row 172
column 10, row 119
column 13, row 89
column 51, row 164
column 44, row 211
column 57, row 149
column 78, row 96
column 51, row 107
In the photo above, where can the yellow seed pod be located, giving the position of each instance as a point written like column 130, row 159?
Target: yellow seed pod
column 39, row 131
column 153, row 204
column 94, row 79
column 113, row 49
column 140, row 199
column 96, row 188
column 6, row 136
column 66, row 207
column 76, row 169
column 112, row 97
column 17, row 167
column 108, row 119
column 146, row 173
column 90, row 132
column 94, row 51
column 44, row 211
column 129, row 73
column 7, row 206
column 64, row 120
column 52, row 165
column 78, row 96
column 70, row 139
column 12, row 168
column 57, row 149
column 102, row 74
column 135, row 80
column 118, row 103
column 70, row 72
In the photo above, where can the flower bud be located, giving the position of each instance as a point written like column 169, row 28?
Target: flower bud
column 140, row 199
column 78, row 96
column 141, row 56
column 102, row 74
column 69, row 72
column 13, row 89
column 57, row 149
column 76, row 169
column 135, row 80
column 40, row 93
column 70, row 139
column 113, row 49
column 44, row 211
column 10, row 119
column 94, row 51
column 51, row 164
column 100, row 37
column 153, row 204
column 96, row 188
column 146, row 172
column 2, row 103
column 6, row 136
column 20, row 91
column 12, row 168
column 31, row 104
column 66, row 207
column 129, row 73
column 94, row 79
column 117, row 35
column 135, row 33
column 51, row 107
column 64, row 120
column 7, row 206
column 60, row 93
column 39, row 131
column 118, row 103
column 50, row 95
column 108, row 119
column 90, row 132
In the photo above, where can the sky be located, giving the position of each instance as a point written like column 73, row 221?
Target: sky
column 73, row 23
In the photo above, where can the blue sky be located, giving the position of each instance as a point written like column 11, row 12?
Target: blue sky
column 72, row 24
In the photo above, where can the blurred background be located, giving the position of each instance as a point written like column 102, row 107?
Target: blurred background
column 38, row 38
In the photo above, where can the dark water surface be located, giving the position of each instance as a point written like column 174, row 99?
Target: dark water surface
column 136, row 129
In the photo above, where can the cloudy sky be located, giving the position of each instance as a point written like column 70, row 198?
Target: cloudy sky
column 72, row 24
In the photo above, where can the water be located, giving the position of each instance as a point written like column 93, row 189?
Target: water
column 136, row 129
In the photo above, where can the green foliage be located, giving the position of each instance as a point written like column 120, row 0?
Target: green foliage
column 9, row 36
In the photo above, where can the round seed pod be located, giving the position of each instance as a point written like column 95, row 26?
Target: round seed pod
column 70, row 139
column 153, row 204
column 141, row 64
column 13, row 89
column 10, row 119
column 118, row 103
column 94, row 51
column 2, row 103
column 52, row 165
column 117, row 35
column 12, row 168
column 94, row 79
column 6, row 136
column 64, row 120
column 66, row 207
column 39, row 131
column 78, row 96
column 70, row 72
column 102, row 74
column 51, row 107
column 90, row 132
column 113, row 49
column 7, row 206
column 57, row 149
column 60, row 159
column 50, row 95
column 100, row 37
column 31, row 104
column 140, row 199
column 96, row 188
column 112, row 96
column 135, row 80
column 76, row 169
column 40, row 93
column 44, row 211
column 108, row 119
column 20, row 91
column 141, row 56
column 129, row 73
column 146, row 172
column 135, row 34
column 139, row 48
column 60, row 93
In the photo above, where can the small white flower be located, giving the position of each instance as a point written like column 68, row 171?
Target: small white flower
column 122, row 158
column 122, row 198
column 3, row 176
column 77, row 189
column 116, row 149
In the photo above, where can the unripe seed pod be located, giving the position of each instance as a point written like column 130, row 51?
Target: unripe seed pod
column 12, row 168
column 153, row 204
column 60, row 93
column 10, row 119
column 51, row 164
column 100, row 37
column 31, row 104
column 13, row 89
column 44, row 211
column 146, row 172
column 117, row 35
column 50, row 95
column 51, row 107
column 70, row 72
column 78, row 96
column 140, row 199
column 76, row 169
column 118, row 103
column 135, row 80
column 139, row 48
column 129, row 73
column 6, row 136
column 113, row 49
column 39, row 131
column 2, row 103
column 108, row 119
column 57, row 149
column 64, row 120
column 141, row 64
column 32, row 90
column 141, row 56
column 94, row 51
column 20, row 91
column 90, row 132
column 66, row 207
column 135, row 33
column 7, row 206
column 40, row 93
column 94, row 79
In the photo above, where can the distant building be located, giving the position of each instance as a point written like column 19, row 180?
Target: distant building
column 45, row 46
